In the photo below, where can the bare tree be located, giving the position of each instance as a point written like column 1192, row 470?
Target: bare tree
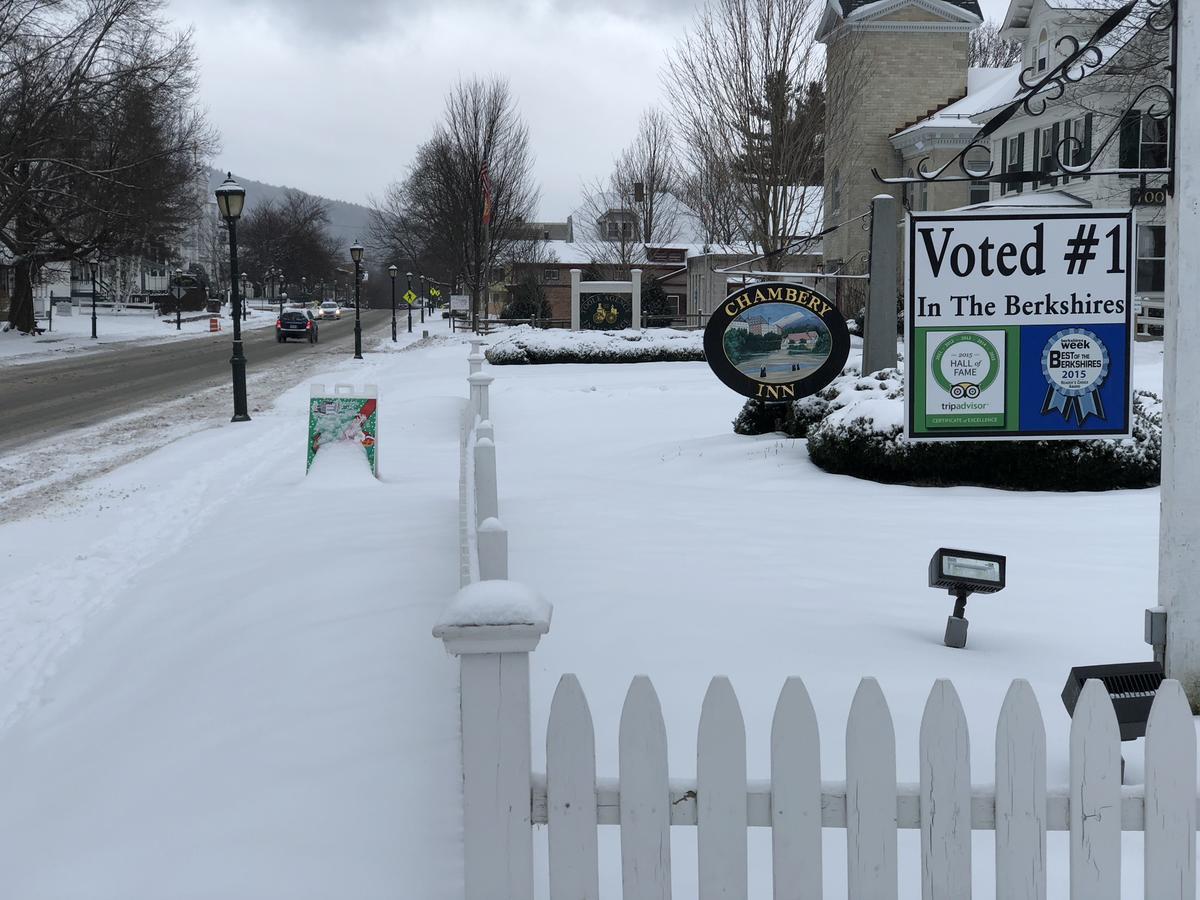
column 292, row 234
column 987, row 49
column 741, row 77
column 101, row 144
column 437, row 212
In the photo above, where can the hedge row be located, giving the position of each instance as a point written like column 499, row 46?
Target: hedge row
column 843, row 443
column 533, row 346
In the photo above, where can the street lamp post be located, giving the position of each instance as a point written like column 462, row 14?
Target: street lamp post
column 408, row 275
column 245, row 285
column 178, row 299
column 231, row 197
column 94, row 267
column 356, row 253
column 423, row 301
column 392, row 272
column 304, row 287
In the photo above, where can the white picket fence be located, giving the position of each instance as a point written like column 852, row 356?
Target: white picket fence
column 503, row 799
column 483, row 540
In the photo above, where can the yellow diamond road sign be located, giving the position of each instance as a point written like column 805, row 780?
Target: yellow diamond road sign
column 434, row 292
column 409, row 297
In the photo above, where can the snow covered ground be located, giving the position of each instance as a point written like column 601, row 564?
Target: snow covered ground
column 216, row 674
column 73, row 334
column 217, row 677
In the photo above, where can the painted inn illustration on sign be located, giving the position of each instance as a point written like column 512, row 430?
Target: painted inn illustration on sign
column 1019, row 326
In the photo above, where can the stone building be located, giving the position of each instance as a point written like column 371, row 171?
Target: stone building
column 888, row 64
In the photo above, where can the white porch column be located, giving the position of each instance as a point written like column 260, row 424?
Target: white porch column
column 1179, row 522
column 576, row 275
column 492, row 626
column 635, row 292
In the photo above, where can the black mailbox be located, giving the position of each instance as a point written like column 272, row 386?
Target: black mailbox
column 1130, row 685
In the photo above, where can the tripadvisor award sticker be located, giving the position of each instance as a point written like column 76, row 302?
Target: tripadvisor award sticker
column 776, row 341
column 965, row 383
column 1075, row 363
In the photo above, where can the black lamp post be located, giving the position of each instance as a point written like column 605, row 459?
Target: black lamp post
column 245, row 284
column 356, row 252
column 231, row 197
column 94, row 268
column 304, row 287
column 392, row 271
column 178, row 299
column 423, row 300
column 408, row 275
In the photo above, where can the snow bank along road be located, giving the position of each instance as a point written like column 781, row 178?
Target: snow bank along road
column 223, row 685
column 46, row 399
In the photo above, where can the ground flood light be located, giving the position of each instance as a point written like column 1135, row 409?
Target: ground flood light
column 963, row 573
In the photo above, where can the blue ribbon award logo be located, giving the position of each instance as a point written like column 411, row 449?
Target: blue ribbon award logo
column 1075, row 363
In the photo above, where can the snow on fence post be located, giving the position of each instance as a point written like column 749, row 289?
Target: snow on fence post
column 487, row 498
column 479, row 385
column 492, row 626
column 492, row 544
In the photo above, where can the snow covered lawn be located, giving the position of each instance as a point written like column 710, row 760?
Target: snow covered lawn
column 671, row 547
column 73, row 334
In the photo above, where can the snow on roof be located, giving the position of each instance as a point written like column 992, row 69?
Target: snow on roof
column 986, row 89
column 1032, row 199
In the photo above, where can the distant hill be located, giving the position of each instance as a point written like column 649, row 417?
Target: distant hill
column 348, row 222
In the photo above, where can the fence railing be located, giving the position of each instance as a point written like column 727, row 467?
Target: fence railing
column 1150, row 317
column 483, row 539
column 503, row 799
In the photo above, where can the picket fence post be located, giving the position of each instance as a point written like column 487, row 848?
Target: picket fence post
column 487, row 497
column 476, row 359
column 479, row 391
column 492, row 626
column 492, row 543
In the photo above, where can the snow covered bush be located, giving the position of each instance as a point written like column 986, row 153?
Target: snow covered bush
column 855, row 427
column 525, row 345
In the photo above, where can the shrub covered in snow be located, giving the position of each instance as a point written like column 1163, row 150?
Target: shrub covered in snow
column 855, row 427
column 525, row 345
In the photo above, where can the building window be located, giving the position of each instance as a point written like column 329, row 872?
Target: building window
column 1151, row 258
column 1045, row 142
column 673, row 304
column 1012, row 159
column 1042, row 59
column 613, row 231
column 978, row 161
column 922, row 196
column 1143, row 142
column 835, row 190
column 981, row 192
column 550, row 275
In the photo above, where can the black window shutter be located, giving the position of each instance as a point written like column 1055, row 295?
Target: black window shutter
column 1003, row 165
column 1087, row 142
column 1037, row 158
column 1020, row 159
column 1129, row 156
column 1055, row 137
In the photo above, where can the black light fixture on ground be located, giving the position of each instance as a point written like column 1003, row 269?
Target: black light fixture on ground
column 231, row 197
column 408, row 275
column 392, row 271
column 94, row 269
column 423, row 299
column 356, row 252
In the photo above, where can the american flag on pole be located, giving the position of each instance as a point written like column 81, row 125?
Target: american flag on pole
column 486, row 181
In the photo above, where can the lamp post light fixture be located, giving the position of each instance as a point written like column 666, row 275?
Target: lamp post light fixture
column 178, row 299
column 231, row 197
column 356, row 254
column 94, row 269
column 408, row 275
column 392, row 272
column 963, row 573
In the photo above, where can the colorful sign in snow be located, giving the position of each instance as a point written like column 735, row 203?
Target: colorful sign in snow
column 776, row 341
column 1019, row 327
column 344, row 414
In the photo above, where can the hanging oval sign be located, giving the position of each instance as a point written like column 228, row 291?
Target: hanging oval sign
column 776, row 341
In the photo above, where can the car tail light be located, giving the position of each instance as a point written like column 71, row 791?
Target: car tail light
column 279, row 323
column 308, row 325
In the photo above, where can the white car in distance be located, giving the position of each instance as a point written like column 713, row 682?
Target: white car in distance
column 330, row 310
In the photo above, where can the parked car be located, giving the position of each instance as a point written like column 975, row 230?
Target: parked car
column 296, row 324
column 329, row 310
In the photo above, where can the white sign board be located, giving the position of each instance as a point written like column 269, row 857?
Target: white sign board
column 1019, row 325
column 460, row 302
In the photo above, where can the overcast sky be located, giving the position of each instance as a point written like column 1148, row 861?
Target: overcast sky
column 332, row 96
